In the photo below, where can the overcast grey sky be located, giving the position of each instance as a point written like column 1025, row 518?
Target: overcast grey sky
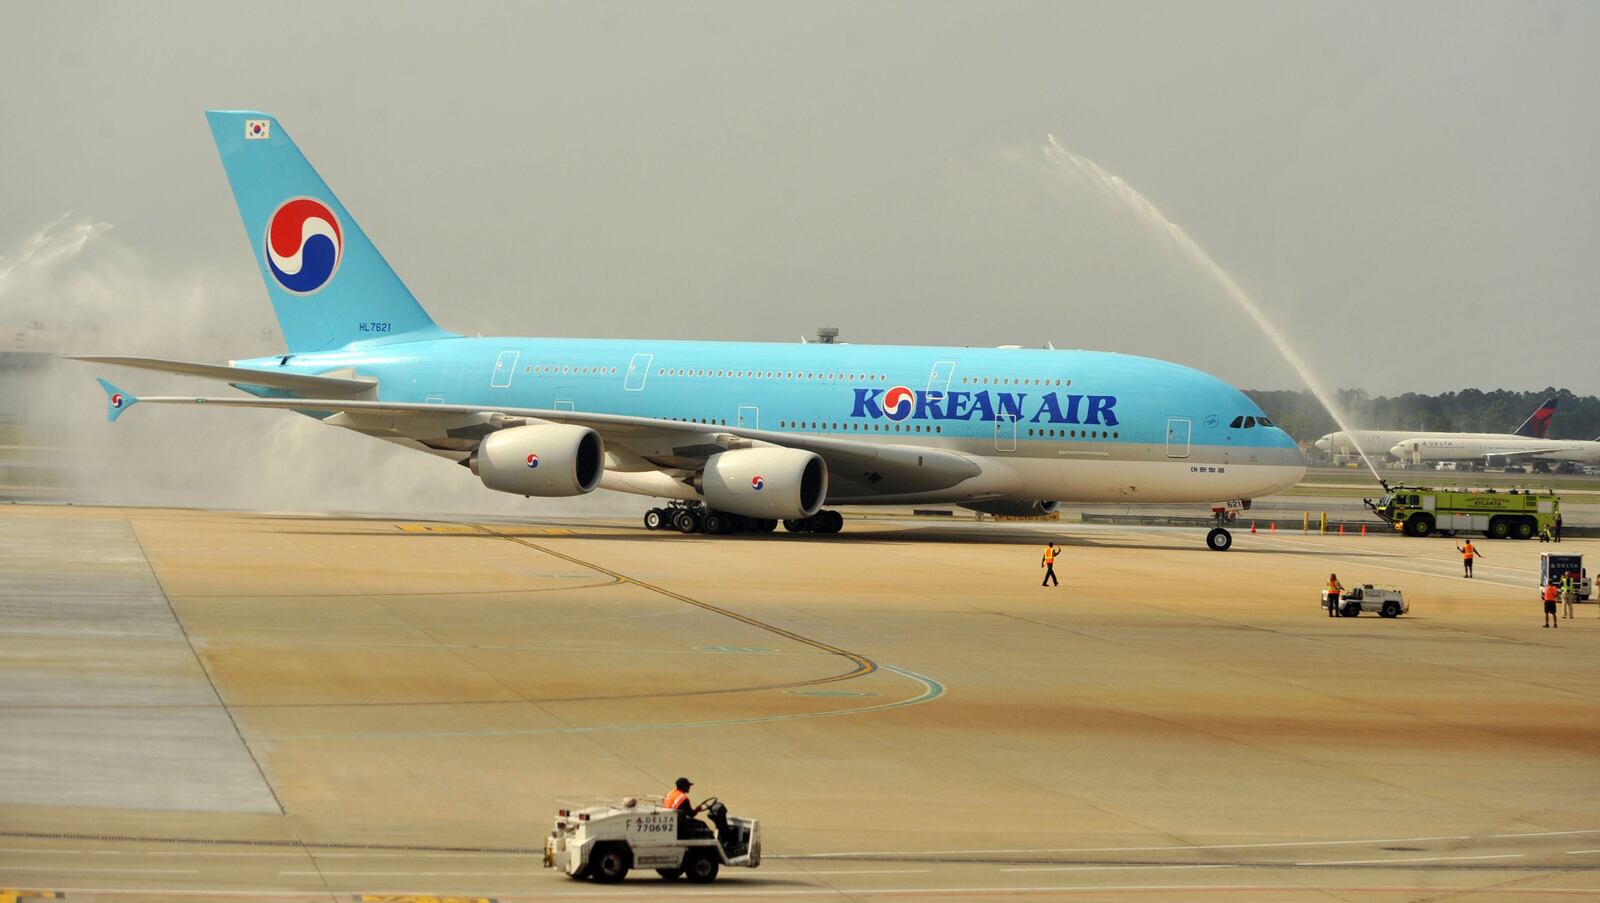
column 1408, row 189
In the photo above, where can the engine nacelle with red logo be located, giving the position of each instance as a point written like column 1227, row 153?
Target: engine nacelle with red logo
column 543, row 459
column 765, row 482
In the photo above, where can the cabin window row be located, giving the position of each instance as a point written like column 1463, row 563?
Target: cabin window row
column 558, row 369
column 1012, row 381
column 1075, row 434
column 860, row 427
column 768, row 374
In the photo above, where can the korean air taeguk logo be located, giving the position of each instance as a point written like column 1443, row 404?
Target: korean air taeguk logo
column 304, row 244
column 898, row 403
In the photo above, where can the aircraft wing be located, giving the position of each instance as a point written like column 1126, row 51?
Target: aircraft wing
column 856, row 469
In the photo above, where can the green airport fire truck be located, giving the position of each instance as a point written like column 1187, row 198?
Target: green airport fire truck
column 1497, row 514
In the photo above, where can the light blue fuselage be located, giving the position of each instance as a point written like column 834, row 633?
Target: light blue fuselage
column 1082, row 411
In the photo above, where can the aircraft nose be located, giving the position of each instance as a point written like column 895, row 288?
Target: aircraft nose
column 1400, row 450
column 1325, row 443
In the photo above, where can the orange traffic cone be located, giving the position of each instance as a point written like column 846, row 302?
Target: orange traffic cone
column 1341, row 529
column 1274, row 526
column 1363, row 529
column 1252, row 526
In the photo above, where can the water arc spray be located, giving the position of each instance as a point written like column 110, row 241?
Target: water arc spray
column 1152, row 216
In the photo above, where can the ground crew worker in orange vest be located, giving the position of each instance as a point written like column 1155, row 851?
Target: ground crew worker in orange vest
column 1335, row 589
column 677, row 799
column 1049, row 564
column 1550, row 605
column 1467, row 554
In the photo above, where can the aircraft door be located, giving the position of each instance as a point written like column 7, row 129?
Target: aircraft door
column 1005, row 432
column 505, row 366
column 939, row 380
column 1178, row 437
column 638, row 369
column 749, row 417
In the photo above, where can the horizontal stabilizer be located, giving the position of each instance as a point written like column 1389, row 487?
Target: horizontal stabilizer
column 117, row 400
column 327, row 386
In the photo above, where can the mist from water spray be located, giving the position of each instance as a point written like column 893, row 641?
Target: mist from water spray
column 1131, row 198
column 76, row 287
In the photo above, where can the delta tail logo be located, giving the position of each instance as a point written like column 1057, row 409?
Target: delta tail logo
column 1538, row 425
column 304, row 245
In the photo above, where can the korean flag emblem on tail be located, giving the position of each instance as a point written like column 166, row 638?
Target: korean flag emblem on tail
column 257, row 129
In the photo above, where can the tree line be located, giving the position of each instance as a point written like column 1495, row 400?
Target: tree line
column 1469, row 411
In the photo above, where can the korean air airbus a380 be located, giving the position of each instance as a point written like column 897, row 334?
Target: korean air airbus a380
column 738, row 435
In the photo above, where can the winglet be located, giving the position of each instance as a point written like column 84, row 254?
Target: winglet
column 117, row 400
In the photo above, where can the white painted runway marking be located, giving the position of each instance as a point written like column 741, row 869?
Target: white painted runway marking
column 1118, row 868
column 862, row 872
column 69, row 869
column 1414, row 859
column 392, row 874
column 1204, row 846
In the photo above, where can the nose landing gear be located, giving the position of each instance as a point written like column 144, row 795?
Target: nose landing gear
column 1220, row 539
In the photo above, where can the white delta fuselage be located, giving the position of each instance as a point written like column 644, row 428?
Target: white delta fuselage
column 1495, row 447
column 761, row 431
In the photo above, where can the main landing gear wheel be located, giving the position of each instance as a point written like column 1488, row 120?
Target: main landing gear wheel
column 1219, row 540
column 696, row 517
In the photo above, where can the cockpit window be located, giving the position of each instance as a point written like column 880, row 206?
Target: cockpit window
column 1263, row 421
column 1249, row 422
column 1237, row 422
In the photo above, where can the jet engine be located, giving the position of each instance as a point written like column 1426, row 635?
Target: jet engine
column 543, row 459
column 765, row 482
column 1013, row 507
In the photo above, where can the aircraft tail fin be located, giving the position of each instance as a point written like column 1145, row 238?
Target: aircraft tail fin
column 1538, row 423
column 329, row 285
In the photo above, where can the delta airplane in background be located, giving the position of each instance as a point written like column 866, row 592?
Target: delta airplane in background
column 1495, row 450
column 737, row 435
column 1376, row 442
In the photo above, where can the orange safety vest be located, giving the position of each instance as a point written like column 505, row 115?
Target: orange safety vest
column 1334, row 588
column 1467, row 552
column 675, row 799
column 1550, row 592
column 1049, row 555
